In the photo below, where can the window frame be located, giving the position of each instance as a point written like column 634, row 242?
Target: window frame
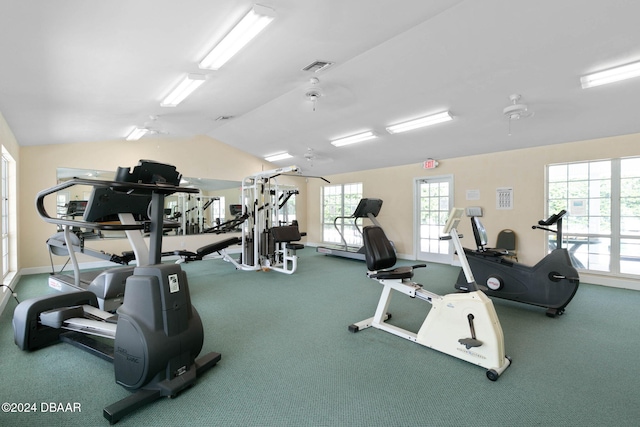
column 348, row 196
column 596, row 231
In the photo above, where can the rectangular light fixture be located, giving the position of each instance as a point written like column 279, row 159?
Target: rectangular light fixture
column 184, row 89
column 248, row 27
column 136, row 134
column 279, row 156
column 421, row 122
column 360, row 137
column 611, row 75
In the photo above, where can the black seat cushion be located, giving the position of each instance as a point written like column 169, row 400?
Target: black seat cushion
column 286, row 233
column 379, row 252
column 218, row 246
column 396, row 273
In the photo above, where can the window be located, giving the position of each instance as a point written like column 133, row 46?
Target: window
column 5, row 216
column 173, row 206
column 62, row 200
column 287, row 212
column 434, row 202
column 7, row 193
column 600, row 233
column 216, row 211
column 630, row 216
column 337, row 201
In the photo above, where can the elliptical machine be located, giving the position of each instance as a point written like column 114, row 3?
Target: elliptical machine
column 157, row 333
column 551, row 283
column 105, row 204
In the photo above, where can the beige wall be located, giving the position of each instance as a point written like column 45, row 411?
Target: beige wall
column 523, row 170
column 200, row 157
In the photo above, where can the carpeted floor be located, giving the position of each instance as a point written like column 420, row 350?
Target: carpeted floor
column 289, row 360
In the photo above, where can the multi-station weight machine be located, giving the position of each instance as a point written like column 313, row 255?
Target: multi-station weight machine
column 193, row 212
column 268, row 243
column 269, row 239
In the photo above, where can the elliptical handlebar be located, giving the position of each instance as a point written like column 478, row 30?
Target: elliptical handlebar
column 125, row 187
column 553, row 218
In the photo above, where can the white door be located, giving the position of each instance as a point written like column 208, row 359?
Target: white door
column 434, row 200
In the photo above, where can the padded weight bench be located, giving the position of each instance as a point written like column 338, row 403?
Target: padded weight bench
column 199, row 254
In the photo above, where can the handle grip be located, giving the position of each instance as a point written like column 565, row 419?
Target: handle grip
column 126, row 187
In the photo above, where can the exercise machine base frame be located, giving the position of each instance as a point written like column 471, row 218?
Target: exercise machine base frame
column 551, row 283
column 446, row 327
column 116, row 411
column 462, row 325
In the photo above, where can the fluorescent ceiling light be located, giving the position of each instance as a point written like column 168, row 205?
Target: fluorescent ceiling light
column 249, row 27
column 279, row 156
column 184, row 89
column 421, row 122
column 611, row 75
column 136, row 134
column 364, row 136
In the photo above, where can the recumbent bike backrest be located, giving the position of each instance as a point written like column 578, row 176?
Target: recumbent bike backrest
column 379, row 252
column 480, row 233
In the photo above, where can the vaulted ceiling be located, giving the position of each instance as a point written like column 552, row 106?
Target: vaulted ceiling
column 83, row 71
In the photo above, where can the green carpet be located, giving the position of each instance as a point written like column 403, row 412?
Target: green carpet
column 289, row 360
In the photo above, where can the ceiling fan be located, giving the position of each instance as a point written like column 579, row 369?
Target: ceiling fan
column 314, row 92
column 516, row 110
column 329, row 94
column 311, row 156
column 152, row 127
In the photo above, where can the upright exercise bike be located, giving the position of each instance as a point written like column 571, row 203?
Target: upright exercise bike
column 462, row 325
column 157, row 334
column 551, row 283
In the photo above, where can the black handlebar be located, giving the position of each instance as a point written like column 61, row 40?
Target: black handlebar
column 553, row 218
column 125, row 187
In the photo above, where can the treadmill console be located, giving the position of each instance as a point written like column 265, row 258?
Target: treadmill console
column 366, row 207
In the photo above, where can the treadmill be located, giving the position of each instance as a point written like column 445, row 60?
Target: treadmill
column 108, row 285
column 367, row 208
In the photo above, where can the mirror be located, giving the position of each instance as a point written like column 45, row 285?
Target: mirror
column 196, row 213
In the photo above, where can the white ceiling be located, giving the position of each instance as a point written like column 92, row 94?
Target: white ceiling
column 81, row 71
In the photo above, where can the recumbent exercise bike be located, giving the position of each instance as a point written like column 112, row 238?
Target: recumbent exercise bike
column 462, row 325
column 551, row 283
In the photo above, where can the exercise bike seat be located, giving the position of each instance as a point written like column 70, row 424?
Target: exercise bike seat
column 490, row 256
column 492, row 253
column 381, row 256
column 397, row 273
